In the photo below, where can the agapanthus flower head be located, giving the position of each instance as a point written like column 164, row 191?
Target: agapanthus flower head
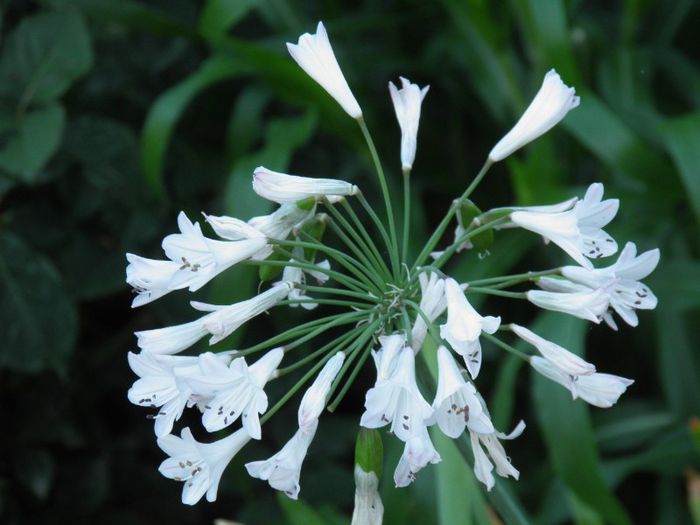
column 408, row 312
column 550, row 105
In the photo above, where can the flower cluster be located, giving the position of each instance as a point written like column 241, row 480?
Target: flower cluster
column 403, row 312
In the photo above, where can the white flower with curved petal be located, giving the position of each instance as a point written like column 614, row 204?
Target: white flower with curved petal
column 395, row 398
column 483, row 466
column 149, row 278
column 162, row 383
column 314, row 55
column 407, row 102
column 456, row 404
column 200, row 258
column 432, row 303
column 280, row 223
column 621, row 282
column 464, row 326
column 561, row 357
column 315, row 397
column 234, row 391
column 283, row 188
column 577, row 231
column 226, row 319
column 282, row 471
column 199, row 465
column 550, row 105
column 601, row 390
column 417, row 453
column 171, row 339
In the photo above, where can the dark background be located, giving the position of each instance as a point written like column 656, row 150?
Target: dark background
column 116, row 115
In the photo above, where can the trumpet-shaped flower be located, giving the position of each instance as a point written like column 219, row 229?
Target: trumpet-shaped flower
column 621, row 282
column 550, row 105
column 280, row 223
column 225, row 319
column 601, row 390
column 407, row 102
column 200, row 258
column 464, row 326
column 395, row 397
column 315, row 397
column 282, row 471
column 199, row 465
column 417, row 453
column 314, row 55
column 283, row 188
column 432, row 304
column 578, row 231
column 234, row 391
column 456, row 404
column 368, row 508
column 567, row 361
column 149, row 278
column 162, row 383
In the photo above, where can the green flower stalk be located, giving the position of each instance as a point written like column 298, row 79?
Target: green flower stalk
column 326, row 249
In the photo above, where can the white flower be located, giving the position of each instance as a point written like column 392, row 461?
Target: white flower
column 368, row 505
column 149, row 278
column 577, row 231
column 282, row 470
column 315, row 397
column 225, row 319
column 417, row 453
column 283, row 188
column 315, row 56
column 395, row 398
column 200, row 258
column 234, row 391
column 584, row 304
column 407, row 101
column 456, row 403
column 198, row 465
column 162, row 383
column 620, row 282
column 464, row 326
column 550, row 105
column 432, row 304
column 171, row 339
column 601, row 390
column 561, row 357
column 483, row 467
column 232, row 229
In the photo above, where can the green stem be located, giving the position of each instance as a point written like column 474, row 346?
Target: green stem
column 506, row 346
column 456, row 205
column 406, row 212
column 368, row 238
column 500, row 293
column 393, row 255
column 450, row 251
column 349, row 263
column 339, row 343
column 382, row 183
column 340, row 291
column 336, row 302
column 517, row 277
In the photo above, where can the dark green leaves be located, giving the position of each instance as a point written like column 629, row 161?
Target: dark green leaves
column 40, row 60
column 38, row 320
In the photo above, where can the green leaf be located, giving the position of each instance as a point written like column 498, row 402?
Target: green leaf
column 682, row 136
column 567, row 429
column 460, row 500
column 218, row 15
column 43, row 56
column 39, row 322
column 34, row 138
column 169, row 107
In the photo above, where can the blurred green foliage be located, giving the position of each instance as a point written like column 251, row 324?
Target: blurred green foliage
column 115, row 115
